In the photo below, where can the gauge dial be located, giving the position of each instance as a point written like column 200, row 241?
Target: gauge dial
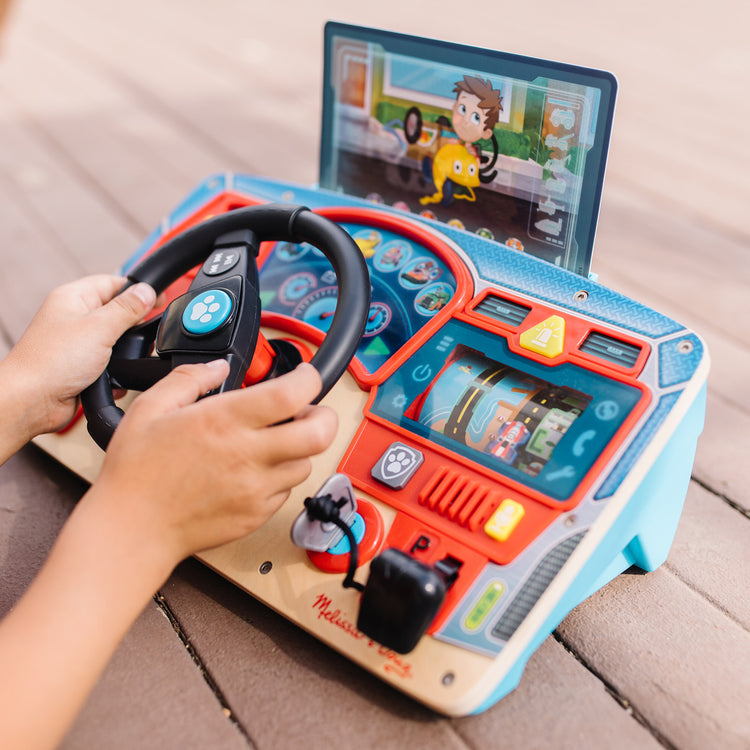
column 318, row 308
column 378, row 318
column 296, row 287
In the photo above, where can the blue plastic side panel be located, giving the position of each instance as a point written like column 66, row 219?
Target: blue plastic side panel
column 643, row 532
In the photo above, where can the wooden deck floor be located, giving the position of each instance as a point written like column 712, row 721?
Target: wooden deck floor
column 111, row 113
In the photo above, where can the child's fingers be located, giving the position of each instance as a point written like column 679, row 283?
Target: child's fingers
column 308, row 435
column 183, row 386
column 95, row 290
column 280, row 398
column 283, row 477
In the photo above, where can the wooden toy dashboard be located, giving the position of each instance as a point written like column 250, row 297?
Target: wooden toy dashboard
column 514, row 436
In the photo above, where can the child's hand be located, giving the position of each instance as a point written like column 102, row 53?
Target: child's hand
column 182, row 476
column 67, row 346
column 179, row 476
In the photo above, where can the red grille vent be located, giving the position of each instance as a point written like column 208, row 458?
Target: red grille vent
column 464, row 501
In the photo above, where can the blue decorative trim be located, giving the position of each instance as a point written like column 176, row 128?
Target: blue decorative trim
column 678, row 359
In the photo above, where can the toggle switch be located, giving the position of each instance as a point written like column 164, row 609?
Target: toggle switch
column 320, row 536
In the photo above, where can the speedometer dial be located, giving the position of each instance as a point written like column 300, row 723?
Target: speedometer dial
column 318, row 308
column 378, row 318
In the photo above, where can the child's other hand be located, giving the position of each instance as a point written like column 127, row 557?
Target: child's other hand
column 68, row 344
column 182, row 475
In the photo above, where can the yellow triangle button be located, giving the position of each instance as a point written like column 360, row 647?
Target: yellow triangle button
column 547, row 338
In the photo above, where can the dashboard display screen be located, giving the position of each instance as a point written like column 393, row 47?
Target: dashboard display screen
column 465, row 392
column 499, row 411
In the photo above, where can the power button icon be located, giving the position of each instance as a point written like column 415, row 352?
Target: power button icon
column 421, row 373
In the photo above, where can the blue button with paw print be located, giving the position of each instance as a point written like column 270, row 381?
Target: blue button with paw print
column 206, row 312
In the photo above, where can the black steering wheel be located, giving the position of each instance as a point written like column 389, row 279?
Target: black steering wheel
column 219, row 315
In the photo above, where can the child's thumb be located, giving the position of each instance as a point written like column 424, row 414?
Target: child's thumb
column 126, row 309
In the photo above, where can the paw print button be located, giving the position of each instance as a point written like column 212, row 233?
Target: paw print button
column 207, row 312
column 397, row 465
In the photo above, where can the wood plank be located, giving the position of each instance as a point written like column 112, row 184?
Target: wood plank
column 560, row 701
column 721, row 458
column 32, row 264
column 701, row 271
column 68, row 213
column 684, row 665
column 266, row 665
column 297, row 669
column 294, row 55
column 711, row 553
column 152, row 696
column 216, row 106
column 85, row 117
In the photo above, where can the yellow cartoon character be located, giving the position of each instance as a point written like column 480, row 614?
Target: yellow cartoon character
column 461, row 161
column 453, row 164
column 367, row 242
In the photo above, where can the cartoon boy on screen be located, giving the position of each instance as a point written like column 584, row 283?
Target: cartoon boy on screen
column 474, row 116
column 475, row 111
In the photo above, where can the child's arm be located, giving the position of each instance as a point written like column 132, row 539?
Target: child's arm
column 179, row 476
column 65, row 348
